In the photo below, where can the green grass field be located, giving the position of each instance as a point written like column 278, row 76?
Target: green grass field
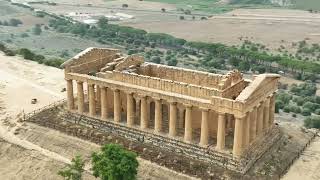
column 307, row 4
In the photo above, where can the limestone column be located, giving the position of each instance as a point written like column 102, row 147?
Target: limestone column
column 144, row 113
column 247, row 130
column 188, row 124
column 204, row 139
column 221, row 134
column 98, row 94
column 253, row 124
column 272, row 109
column 173, row 119
column 104, row 103
column 80, row 97
column 266, row 113
column 130, row 112
column 70, row 97
column 138, row 111
column 238, row 137
column 117, row 105
column 260, row 119
column 158, row 116
column 92, row 101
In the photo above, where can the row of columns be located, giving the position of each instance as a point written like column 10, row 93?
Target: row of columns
column 253, row 124
column 246, row 129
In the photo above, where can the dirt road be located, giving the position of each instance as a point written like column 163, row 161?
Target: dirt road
column 307, row 166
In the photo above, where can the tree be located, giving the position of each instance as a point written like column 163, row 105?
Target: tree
column 156, row 59
column 125, row 5
column 74, row 170
column 172, row 62
column 37, row 29
column 103, row 22
column 27, row 54
column 114, row 163
column 312, row 122
column 14, row 22
column 181, row 17
column 163, row 10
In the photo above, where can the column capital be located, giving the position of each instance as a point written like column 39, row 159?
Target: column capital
column 172, row 102
column 187, row 105
column 204, row 109
column 79, row 81
column 102, row 87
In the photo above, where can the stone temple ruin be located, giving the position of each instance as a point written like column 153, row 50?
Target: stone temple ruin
column 209, row 116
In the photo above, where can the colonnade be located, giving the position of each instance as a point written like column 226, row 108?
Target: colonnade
column 246, row 128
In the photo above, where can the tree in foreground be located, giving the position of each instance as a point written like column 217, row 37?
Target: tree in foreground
column 114, row 163
column 74, row 170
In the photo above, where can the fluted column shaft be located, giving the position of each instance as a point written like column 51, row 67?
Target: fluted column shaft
column 253, row 124
column 266, row 114
column 247, row 130
column 98, row 94
column 173, row 120
column 70, row 96
column 80, row 94
column 260, row 119
column 92, row 101
column 158, row 116
column 104, row 103
column 221, row 134
column 204, row 140
column 188, row 124
column 117, row 105
column 130, row 112
column 144, row 113
column 238, row 137
column 272, row 109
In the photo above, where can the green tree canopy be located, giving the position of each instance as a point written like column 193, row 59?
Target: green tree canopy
column 114, row 163
column 74, row 170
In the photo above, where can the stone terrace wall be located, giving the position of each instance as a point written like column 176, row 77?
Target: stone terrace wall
column 165, row 85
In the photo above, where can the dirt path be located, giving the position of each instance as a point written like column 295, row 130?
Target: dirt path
column 308, row 165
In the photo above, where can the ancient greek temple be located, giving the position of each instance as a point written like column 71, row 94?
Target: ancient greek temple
column 226, row 113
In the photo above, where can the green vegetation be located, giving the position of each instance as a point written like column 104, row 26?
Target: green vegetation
column 313, row 5
column 211, row 56
column 37, row 29
column 29, row 55
column 114, row 163
column 312, row 122
column 300, row 99
column 12, row 22
column 74, row 170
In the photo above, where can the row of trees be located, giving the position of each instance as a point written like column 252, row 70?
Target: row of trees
column 12, row 22
column 113, row 162
column 29, row 55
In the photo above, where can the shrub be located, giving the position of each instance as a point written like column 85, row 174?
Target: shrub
column 156, row 59
column 306, row 112
column 312, row 122
column 317, row 111
column 286, row 109
column 311, row 106
column 37, row 29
